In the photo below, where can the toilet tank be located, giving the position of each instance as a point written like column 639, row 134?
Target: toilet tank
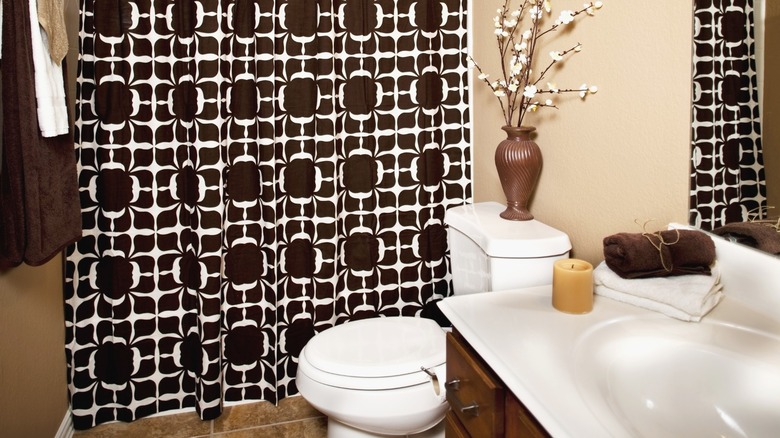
column 489, row 253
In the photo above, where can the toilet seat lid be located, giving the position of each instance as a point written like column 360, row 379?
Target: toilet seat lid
column 378, row 347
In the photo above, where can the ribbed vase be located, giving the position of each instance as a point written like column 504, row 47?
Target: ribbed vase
column 519, row 163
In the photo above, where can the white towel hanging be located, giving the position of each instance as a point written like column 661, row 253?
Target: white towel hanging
column 49, row 84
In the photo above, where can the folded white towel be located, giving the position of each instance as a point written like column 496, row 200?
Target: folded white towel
column 49, row 84
column 685, row 297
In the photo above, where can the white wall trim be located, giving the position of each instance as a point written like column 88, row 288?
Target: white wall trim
column 66, row 427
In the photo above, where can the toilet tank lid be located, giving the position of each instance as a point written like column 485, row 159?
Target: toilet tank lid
column 378, row 347
column 499, row 237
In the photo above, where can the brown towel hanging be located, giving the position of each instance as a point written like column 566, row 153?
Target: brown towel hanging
column 39, row 201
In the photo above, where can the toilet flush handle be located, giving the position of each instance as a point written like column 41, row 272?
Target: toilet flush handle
column 436, row 381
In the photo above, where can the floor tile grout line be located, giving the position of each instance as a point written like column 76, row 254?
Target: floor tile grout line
column 264, row 426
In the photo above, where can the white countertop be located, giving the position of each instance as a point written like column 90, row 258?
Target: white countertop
column 531, row 347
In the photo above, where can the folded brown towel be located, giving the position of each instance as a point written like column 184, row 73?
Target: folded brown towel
column 753, row 234
column 637, row 255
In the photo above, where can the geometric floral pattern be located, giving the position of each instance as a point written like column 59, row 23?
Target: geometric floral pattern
column 251, row 173
column 727, row 172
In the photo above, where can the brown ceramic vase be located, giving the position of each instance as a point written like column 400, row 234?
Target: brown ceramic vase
column 519, row 162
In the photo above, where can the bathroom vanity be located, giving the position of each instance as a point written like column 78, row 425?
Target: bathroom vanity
column 510, row 352
column 481, row 404
column 533, row 371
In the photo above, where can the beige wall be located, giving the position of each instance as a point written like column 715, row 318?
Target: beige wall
column 621, row 155
column 33, row 394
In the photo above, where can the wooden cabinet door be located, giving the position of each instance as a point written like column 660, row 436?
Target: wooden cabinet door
column 453, row 428
column 520, row 423
column 475, row 394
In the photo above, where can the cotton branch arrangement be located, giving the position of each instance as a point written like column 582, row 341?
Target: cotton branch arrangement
column 520, row 88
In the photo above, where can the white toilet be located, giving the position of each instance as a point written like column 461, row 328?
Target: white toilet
column 384, row 377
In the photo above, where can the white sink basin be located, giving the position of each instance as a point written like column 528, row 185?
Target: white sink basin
column 651, row 378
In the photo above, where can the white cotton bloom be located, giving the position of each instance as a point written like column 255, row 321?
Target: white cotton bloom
column 516, row 13
column 510, row 23
column 529, row 91
column 548, row 102
column 512, row 87
column 583, row 91
column 578, row 48
column 515, row 66
column 504, row 34
column 522, row 59
column 535, row 13
column 527, row 34
column 552, row 87
column 593, row 89
column 499, row 93
column 598, row 5
column 498, row 31
column 566, row 17
column 547, row 6
column 483, row 76
column 556, row 56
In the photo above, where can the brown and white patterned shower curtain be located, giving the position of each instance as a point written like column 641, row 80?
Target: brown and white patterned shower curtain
column 253, row 172
column 727, row 169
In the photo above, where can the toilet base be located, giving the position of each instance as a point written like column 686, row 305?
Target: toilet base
column 337, row 429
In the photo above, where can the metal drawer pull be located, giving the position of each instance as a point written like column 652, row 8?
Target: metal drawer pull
column 470, row 409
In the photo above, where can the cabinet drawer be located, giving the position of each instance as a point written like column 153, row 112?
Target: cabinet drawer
column 475, row 394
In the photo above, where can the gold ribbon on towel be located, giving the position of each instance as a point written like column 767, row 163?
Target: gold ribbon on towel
column 660, row 244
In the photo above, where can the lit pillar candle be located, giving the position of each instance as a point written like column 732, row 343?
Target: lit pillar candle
column 572, row 290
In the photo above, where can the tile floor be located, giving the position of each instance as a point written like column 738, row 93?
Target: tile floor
column 293, row 418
